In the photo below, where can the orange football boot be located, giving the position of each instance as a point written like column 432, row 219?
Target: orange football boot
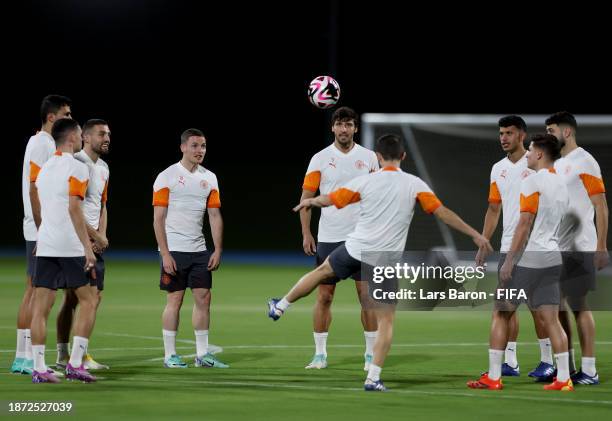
column 484, row 382
column 567, row 386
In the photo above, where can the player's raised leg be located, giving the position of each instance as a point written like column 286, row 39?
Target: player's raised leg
column 303, row 288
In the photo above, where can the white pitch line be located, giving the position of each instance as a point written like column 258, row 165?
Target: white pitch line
column 154, row 338
column 280, row 346
column 484, row 395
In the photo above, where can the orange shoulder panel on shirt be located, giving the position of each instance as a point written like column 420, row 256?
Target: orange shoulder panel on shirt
column 77, row 187
column 214, row 201
column 593, row 185
column 494, row 194
column 161, row 197
column 312, row 181
column 342, row 197
column 530, row 203
column 105, row 193
column 34, row 170
column 429, row 202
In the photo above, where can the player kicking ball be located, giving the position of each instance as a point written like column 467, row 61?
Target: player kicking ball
column 387, row 199
column 544, row 202
column 181, row 195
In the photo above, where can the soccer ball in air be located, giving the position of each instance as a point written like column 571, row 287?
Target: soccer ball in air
column 324, row 92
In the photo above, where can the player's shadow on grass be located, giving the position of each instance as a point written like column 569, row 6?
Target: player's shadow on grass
column 231, row 358
column 391, row 361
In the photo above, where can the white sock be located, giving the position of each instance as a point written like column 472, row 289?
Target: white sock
column 562, row 366
column 283, row 304
column 201, row 342
column 510, row 354
column 28, row 344
column 572, row 360
column 169, row 343
column 374, row 373
column 545, row 350
column 496, row 357
column 62, row 351
column 39, row 358
column 79, row 349
column 21, row 341
column 588, row 366
column 320, row 343
column 370, row 338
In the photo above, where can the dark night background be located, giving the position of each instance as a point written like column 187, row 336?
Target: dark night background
column 239, row 72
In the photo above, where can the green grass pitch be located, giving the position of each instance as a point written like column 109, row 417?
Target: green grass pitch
column 433, row 355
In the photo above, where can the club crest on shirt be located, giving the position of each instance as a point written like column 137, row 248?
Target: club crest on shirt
column 204, row 184
column 360, row 165
column 166, row 278
column 567, row 169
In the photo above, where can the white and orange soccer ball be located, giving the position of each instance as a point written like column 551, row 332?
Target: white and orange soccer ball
column 324, row 92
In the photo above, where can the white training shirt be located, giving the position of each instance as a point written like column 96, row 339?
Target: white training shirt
column 385, row 205
column 186, row 195
column 583, row 178
column 329, row 170
column 40, row 148
column 505, row 188
column 544, row 194
column 97, row 189
column 62, row 176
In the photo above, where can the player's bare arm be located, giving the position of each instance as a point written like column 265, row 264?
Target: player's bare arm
column 521, row 234
column 159, row 226
column 35, row 204
column 216, row 228
column 453, row 220
column 103, row 225
column 321, row 201
column 80, row 226
column 490, row 224
column 308, row 243
column 601, row 223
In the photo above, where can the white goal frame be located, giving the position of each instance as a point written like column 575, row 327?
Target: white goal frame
column 405, row 122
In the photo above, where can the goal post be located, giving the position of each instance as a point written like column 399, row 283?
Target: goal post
column 454, row 153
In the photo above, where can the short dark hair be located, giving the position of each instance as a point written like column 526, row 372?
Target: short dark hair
column 547, row 143
column 513, row 120
column 562, row 117
column 51, row 104
column 190, row 132
column 61, row 129
column 92, row 122
column 390, row 146
column 345, row 113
